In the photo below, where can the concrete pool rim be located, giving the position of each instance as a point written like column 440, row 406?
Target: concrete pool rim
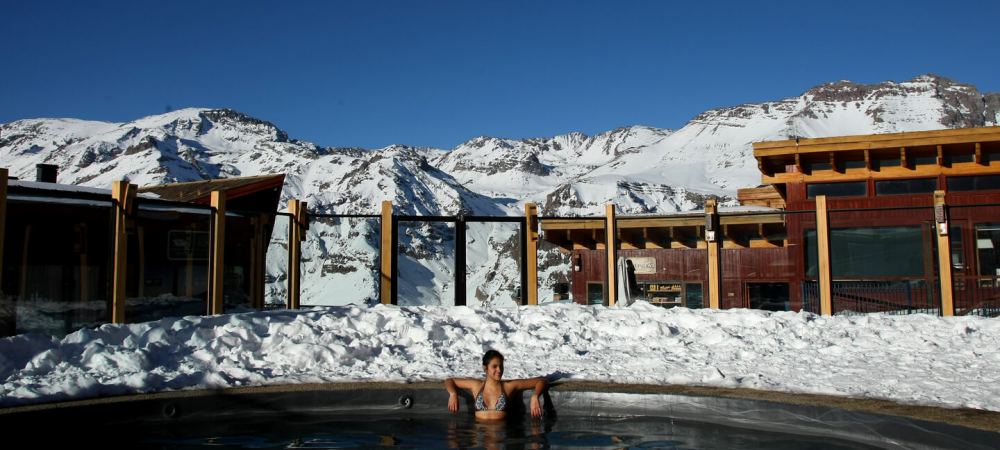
column 887, row 419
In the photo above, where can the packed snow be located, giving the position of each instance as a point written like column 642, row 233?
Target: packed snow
column 914, row 359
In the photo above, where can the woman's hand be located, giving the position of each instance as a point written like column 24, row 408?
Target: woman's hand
column 536, row 408
column 453, row 402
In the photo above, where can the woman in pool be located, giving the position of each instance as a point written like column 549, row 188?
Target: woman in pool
column 492, row 394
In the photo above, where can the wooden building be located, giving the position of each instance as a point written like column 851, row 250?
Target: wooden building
column 61, row 268
column 881, row 227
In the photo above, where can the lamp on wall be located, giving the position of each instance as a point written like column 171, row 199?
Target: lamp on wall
column 577, row 263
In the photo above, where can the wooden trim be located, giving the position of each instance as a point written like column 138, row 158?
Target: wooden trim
column 940, row 156
column 531, row 232
column 387, row 255
column 979, row 154
column 610, row 247
column 714, row 261
column 944, row 257
column 216, row 265
column 123, row 194
column 3, row 219
column 823, row 250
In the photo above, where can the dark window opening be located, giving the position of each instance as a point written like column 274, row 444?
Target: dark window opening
column 895, row 187
column 850, row 189
column 768, row 296
column 974, row 183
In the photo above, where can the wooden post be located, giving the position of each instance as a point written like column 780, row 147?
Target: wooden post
column 216, row 271
column 123, row 195
column 712, row 236
column 3, row 219
column 296, row 234
column 944, row 254
column 823, row 251
column 388, row 253
column 531, row 253
column 611, row 232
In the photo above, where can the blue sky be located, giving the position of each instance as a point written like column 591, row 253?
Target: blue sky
column 437, row 73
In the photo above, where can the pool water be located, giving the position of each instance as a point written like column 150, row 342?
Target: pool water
column 462, row 431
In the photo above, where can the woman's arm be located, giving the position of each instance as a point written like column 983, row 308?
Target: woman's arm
column 452, row 385
column 537, row 384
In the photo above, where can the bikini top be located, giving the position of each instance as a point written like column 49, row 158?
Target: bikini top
column 501, row 401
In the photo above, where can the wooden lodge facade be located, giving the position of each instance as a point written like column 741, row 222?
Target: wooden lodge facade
column 858, row 220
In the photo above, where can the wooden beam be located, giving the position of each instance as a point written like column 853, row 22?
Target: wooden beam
column 714, row 262
column 940, row 157
column 902, row 158
column 386, row 277
column 610, row 249
column 216, row 271
column 979, row 154
column 823, row 250
column 833, row 163
column 944, row 254
column 296, row 234
column 798, row 164
column 531, row 243
column 123, row 195
column 868, row 159
column 3, row 219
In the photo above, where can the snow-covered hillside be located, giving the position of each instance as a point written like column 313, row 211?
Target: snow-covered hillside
column 641, row 169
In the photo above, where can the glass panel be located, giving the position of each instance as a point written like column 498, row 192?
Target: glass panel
column 851, row 189
column 917, row 186
column 595, row 293
column 693, row 295
column 426, row 263
column 975, row 183
column 757, row 260
column 987, row 252
column 556, row 271
column 276, row 271
column 237, row 263
column 57, row 268
column 888, row 268
column 493, row 263
column 340, row 261
column 169, row 251
column 922, row 160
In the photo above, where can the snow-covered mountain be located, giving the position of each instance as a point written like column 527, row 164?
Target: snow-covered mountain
column 641, row 169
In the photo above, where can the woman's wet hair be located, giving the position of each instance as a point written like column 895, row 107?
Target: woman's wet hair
column 489, row 357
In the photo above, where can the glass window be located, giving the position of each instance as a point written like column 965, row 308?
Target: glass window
column 975, row 183
column 870, row 252
column 922, row 160
column 693, row 296
column 987, row 242
column 595, row 293
column 852, row 164
column 850, row 189
column 918, row 186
